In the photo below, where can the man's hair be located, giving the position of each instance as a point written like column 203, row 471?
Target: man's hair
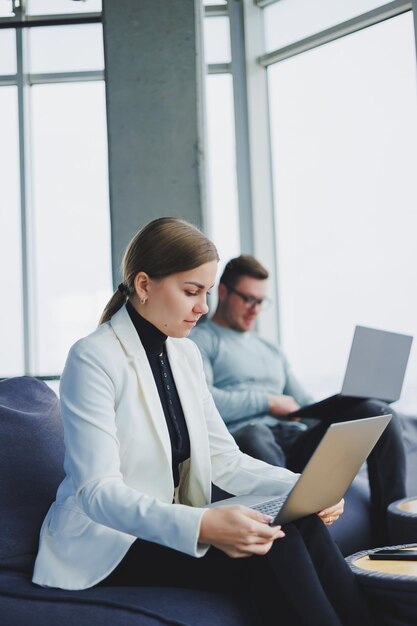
column 243, row 265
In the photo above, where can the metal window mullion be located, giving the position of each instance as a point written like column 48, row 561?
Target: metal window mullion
column 240, row 98
column 216, row 10
column 28, row 257
column 219, row 68
column 33, row 21
column 263, row 220
column 64, row 77
column 67, row 17
column 414, row 8
column 265, row 3
column 328, row 35
column 8, row 79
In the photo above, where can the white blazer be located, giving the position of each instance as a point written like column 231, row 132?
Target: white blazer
column 119, row 483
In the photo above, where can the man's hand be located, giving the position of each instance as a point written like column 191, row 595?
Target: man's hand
column 238, row 531
column 282, row 405
column 332, row 513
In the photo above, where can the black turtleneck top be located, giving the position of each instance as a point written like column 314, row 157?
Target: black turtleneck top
column 153, row 340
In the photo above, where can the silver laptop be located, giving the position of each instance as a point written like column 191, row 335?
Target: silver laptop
column 325, row 479
column 375, row 369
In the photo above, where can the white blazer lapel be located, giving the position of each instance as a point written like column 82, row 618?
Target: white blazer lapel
column 187, row 383
column 128, row 337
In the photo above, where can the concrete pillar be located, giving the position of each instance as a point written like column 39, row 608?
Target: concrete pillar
column 155, row 113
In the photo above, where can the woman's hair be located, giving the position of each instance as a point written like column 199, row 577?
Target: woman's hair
column 163, row 247
column 243, row 265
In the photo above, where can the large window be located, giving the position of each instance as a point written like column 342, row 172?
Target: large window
column 71, row 225
column 54, row 219
column 344, row 142
column 223, row 214
column 11, row 326
column 221, row 148
column 287, row 21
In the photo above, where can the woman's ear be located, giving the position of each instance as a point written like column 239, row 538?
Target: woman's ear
column 141, row 284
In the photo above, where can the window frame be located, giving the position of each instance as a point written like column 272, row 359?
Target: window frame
column 23, row 80
column 259, row 149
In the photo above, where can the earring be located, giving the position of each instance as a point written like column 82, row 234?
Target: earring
column 143, row 300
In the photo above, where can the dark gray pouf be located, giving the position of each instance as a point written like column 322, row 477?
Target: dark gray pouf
column 402, row 520
column 393, row 594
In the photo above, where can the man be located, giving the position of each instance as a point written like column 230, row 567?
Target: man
column 256, row 392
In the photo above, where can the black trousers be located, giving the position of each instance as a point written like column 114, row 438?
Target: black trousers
column 303, row 580
column 386, row 463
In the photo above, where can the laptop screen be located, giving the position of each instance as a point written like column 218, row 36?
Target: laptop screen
column 377, row 364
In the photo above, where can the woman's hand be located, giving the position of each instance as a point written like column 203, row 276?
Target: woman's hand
column 238, row 531
column 332, row 514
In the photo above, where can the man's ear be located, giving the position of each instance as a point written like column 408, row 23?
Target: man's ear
column 141, row 284
column 222, row 292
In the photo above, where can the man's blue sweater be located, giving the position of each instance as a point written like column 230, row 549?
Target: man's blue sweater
column 242, row 370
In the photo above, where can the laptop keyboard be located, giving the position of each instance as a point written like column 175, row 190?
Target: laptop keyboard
column 271, row 507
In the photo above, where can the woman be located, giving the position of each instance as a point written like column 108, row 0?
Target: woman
column 144, row 441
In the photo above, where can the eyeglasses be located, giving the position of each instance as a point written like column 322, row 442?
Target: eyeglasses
column 251, row 301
